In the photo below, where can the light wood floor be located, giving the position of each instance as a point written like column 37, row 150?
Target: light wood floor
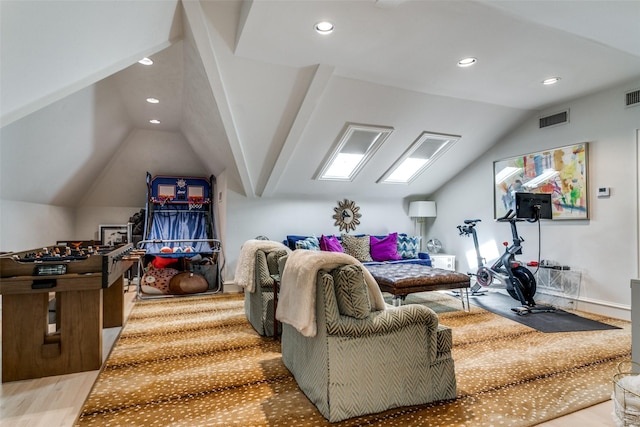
column 57, row 401
column 54, row 401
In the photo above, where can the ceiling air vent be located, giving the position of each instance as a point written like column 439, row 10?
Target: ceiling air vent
column 554, row 119
column 632, row 98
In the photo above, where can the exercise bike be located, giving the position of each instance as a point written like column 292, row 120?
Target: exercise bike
column 519, row 282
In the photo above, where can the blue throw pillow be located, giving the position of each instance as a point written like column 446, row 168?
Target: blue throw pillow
column 310, row 243
column 408, row 246
column 292, row 239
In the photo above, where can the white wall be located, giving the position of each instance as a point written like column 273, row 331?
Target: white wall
column 603, row 248
column 220, row 214
column 30, row 225
column 276, row 218
column 122, row 179
column 89, row 218
column 122, row 182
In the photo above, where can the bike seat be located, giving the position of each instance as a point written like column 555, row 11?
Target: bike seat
column 471, row 221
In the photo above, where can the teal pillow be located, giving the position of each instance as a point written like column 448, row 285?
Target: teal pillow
column 351, row 291
column 310, row 243
column 408, row 246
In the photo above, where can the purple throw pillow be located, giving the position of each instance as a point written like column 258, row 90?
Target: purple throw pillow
column 385, row 249
column 330, row 244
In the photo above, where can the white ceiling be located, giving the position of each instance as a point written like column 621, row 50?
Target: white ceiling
column 415, row 45
column 262, row 97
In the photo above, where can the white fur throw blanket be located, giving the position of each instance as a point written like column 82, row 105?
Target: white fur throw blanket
column 246, row 268
column 297, row 297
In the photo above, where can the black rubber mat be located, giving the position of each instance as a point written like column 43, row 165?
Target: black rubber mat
column 556, row 321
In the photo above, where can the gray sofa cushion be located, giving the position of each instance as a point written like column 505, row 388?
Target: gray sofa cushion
column 352, row 295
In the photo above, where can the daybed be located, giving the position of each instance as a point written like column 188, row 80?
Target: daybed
column 393, row 260
column 349, row 352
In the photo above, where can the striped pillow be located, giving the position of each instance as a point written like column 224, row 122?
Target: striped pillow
column 352, row 295
column 408, row 246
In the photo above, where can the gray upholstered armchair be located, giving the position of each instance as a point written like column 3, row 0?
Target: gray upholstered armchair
column 362, row 361
column 258, row 305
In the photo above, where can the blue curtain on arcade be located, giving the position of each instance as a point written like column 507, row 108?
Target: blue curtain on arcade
column 178, row 224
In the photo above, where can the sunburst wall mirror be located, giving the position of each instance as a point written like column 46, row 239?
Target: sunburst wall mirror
column 347, row 215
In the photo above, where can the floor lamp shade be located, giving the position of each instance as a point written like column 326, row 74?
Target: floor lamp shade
column 422, row 209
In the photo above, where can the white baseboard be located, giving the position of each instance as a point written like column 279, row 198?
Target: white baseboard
column 230, row 287
column 590, row 305
column 605, row 308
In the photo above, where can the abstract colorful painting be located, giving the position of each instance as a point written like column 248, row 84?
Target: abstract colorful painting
column 561, row 171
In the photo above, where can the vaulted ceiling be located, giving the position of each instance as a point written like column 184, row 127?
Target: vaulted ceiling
column 250, row 90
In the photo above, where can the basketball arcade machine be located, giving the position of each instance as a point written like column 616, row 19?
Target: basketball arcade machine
column 180, row 238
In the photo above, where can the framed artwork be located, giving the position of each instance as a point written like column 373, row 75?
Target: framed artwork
column 561, row 172
column 114, row 235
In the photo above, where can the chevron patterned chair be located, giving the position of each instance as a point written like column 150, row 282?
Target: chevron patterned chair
column 258, row 305
column 362, row 361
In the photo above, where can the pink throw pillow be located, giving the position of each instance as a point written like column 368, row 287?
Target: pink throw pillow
column 385, row 249
column 330, row 244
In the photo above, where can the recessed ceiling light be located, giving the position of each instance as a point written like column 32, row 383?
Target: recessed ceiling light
column 154, row 121
column 467, row 62
column 145, row 61
column 551, row 81
column 324, row 27
column 153, row 100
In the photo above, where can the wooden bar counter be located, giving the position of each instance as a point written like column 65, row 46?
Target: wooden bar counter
column 89, row 296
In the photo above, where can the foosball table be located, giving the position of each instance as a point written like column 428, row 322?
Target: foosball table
column 87, row 283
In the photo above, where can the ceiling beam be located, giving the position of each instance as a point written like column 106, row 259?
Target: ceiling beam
column 208, row 41
column 317, row 87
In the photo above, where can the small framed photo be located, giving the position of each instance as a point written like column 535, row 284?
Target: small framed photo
column 114, row 235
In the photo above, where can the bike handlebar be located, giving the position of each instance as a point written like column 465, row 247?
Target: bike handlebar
column 468, row 227
column 510, row 215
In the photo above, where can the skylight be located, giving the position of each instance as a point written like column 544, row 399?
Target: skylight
column 419, row 156
column 354, row 148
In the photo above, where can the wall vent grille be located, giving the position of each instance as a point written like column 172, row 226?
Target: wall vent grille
column 632, row 98
column 554, row 119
